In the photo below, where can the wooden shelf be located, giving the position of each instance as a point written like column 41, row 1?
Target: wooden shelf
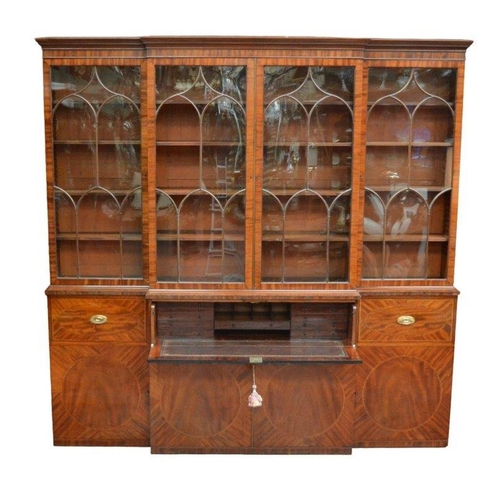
column 406, row 238
column 389, row 101
column 305, row 238
column 401, row 187
column 100, row 191
column 403, row 144
column 99, row 236
column 98, row 142
column 291, row 192
column 206, row 237
column 308, row 144
column 200, row 142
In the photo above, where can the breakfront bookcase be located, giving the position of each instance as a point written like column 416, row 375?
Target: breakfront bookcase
column 252, row 241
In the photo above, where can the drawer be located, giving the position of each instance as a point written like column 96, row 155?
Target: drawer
column 320, row 320
column 185, row 311
column 184, row 319
column 407, row 320
column 89, row 319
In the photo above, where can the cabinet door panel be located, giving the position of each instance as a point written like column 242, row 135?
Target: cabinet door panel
column 405, row 396
column 304, row 407
column 198, row 407
column 99, row 395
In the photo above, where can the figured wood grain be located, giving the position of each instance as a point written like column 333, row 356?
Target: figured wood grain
column 404, row 396
column 100, row 394
column 394, row 390
column 434, row 320
column 199, row 406
column 70, row 319
column 304, row 406
column 247, row 45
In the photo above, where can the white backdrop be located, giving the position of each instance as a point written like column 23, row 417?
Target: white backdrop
column 32, row 466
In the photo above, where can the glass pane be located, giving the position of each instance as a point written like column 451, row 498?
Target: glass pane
column 201, row 155
column 70, row 80
column 308, row 129
column 211, row 238
column 409, row 158
column 167, row 227
column 97, row 170
column 305, row 261
column 405, row 259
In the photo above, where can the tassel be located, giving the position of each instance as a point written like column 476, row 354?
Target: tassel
column 255, row 399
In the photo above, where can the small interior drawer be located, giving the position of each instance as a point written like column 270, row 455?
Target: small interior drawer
column 190, row 319
column 329, row 320
column 102, row 319
column 407, row 319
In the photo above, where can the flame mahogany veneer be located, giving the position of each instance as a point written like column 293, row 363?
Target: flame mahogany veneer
column 229, row 214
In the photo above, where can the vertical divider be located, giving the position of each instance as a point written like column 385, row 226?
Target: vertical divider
column 358, row 179
column 253, row 209
column 149, row 169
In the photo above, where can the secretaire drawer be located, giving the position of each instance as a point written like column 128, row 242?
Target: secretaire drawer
column 89, row 319
column 407, row 320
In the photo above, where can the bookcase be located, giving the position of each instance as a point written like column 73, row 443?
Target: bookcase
column 252, row 241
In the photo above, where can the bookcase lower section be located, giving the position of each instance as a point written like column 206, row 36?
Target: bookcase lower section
column 189, row 393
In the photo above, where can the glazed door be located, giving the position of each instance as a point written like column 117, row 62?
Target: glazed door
column 96, row 189
column 410, row 151
column 201, row 173
column 306, row 188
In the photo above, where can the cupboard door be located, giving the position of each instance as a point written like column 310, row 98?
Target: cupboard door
column 96, row 129
column 307, row 150
column 100, row 394
column 199, row 407
column 306, row 408
column 405, row 396
column 409, row 160
column 201, row 141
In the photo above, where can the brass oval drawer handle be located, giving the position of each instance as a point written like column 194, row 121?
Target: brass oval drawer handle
column 406, row 320
column 98, row 319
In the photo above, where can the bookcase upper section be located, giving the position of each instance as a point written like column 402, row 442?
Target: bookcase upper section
column 252, row 163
